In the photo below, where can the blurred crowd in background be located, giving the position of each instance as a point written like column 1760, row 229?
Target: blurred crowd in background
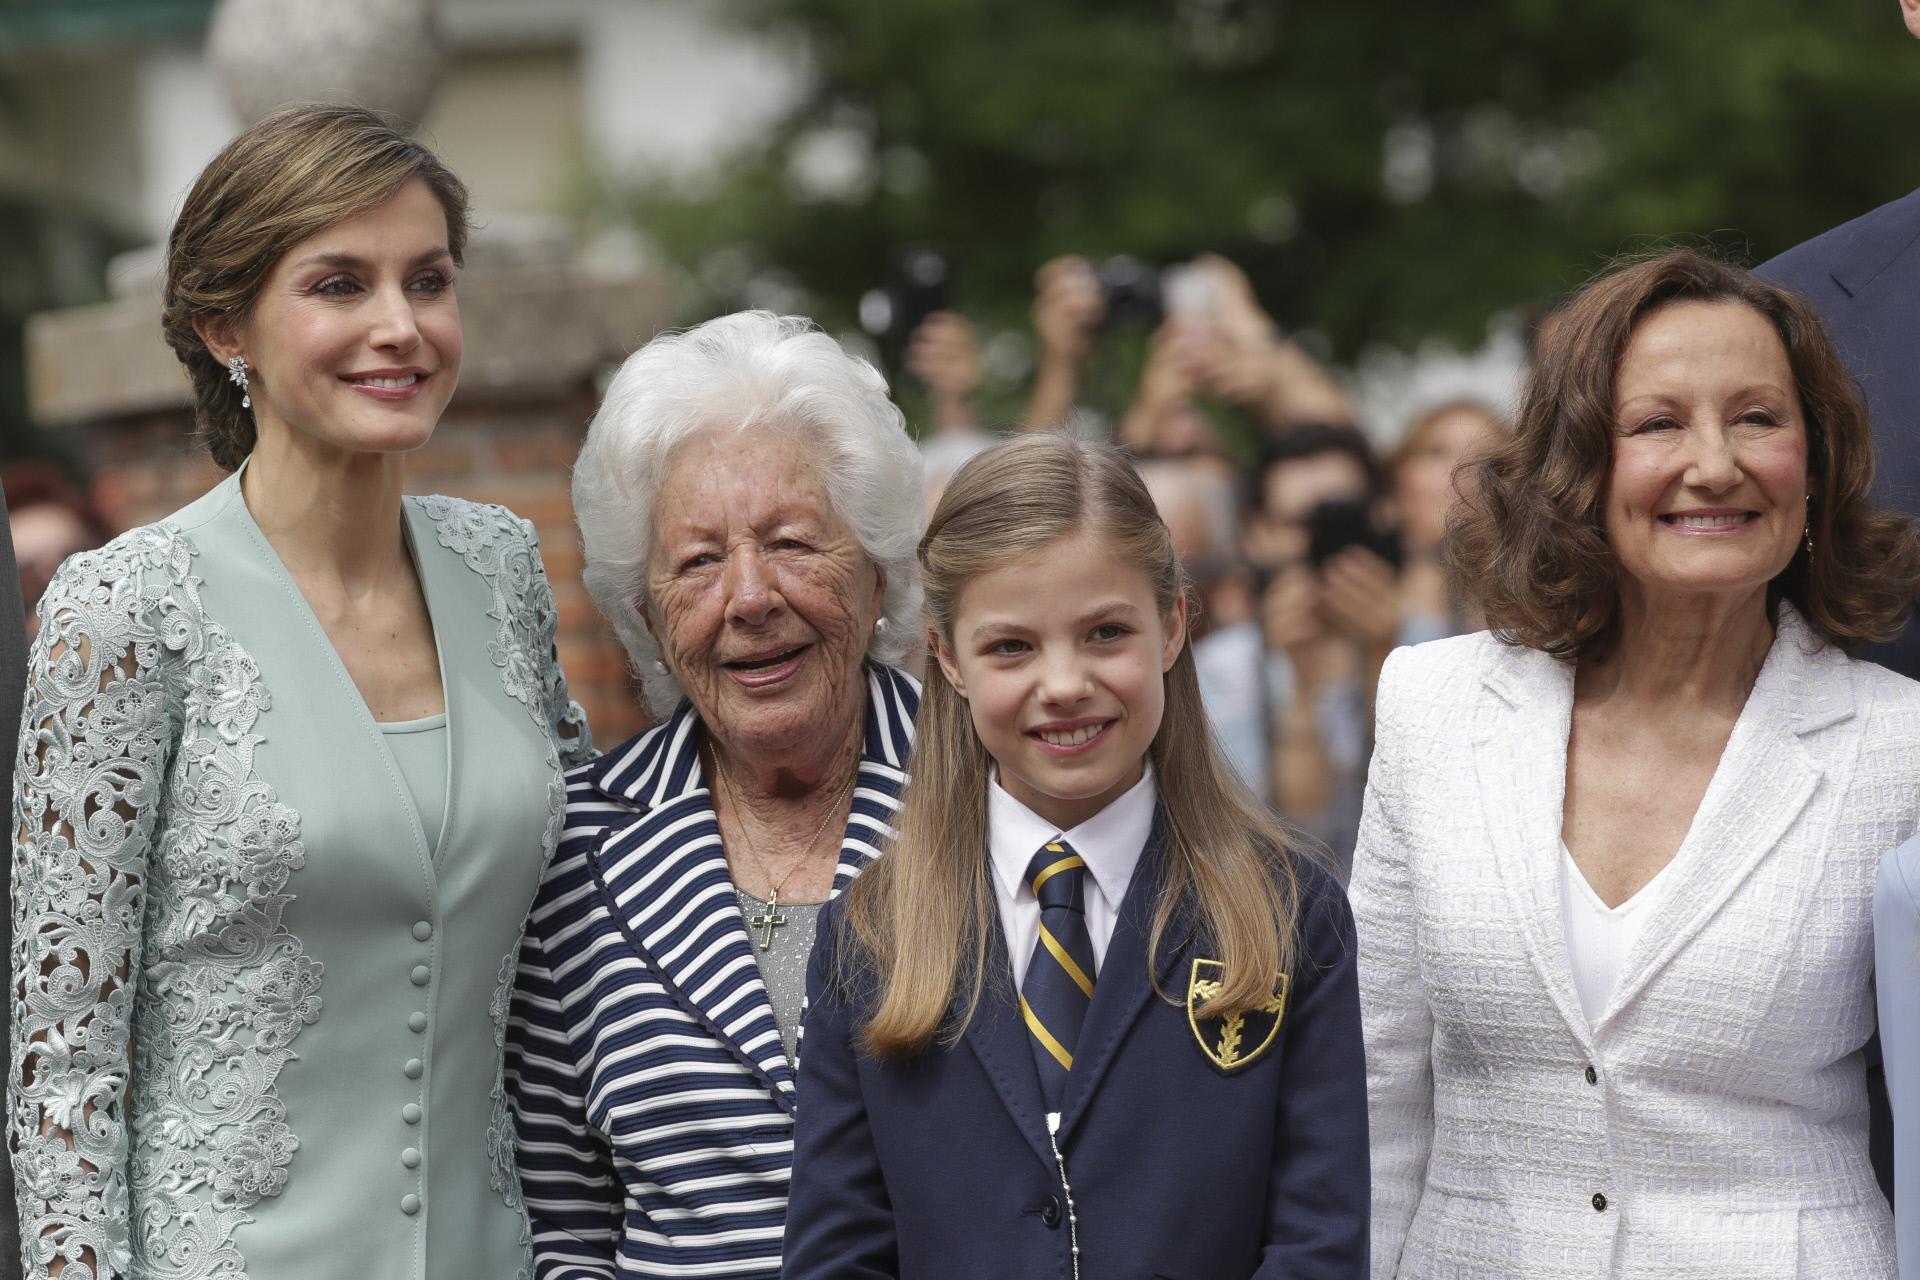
column 1312, row 555
column 1381, row 189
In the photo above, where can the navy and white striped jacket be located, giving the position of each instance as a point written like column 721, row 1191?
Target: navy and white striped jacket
column 653, row 1101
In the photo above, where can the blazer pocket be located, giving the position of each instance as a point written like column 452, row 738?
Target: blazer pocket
column 764, row 1140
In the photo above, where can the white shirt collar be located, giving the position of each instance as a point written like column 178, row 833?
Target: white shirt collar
column 1110, row 842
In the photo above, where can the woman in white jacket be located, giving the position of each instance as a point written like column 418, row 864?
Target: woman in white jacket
column 1615, row 875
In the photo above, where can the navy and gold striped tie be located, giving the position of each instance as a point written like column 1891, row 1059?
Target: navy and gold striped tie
column 1059, row 983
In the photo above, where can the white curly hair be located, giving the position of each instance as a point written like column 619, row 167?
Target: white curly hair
column 751, row 369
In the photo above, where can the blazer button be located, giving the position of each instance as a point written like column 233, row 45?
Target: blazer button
column 421, row 975
column 409, row 1204
column 416, row 1021
column 1593, row 1077
column 411, row 1113
column 422, row 930
column 410, row 1157
column 1051, row 1213
column 414, row 1068
column 1599, row 1202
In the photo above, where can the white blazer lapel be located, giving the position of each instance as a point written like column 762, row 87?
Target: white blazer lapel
column 1520, row 759
column 1765, row 778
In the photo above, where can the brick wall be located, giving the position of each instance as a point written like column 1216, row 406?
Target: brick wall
column 517, row 454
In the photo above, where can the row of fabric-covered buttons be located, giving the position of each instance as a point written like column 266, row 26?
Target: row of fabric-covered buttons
column 415, row 1068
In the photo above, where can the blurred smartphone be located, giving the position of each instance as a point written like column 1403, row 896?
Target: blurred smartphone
column 1339, row 523
column 920, row 279
column 917, row 286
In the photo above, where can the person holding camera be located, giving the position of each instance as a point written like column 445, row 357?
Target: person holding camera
column 1329, row 611
column 944, row 354
column 1211, row 337
column 1068, row 310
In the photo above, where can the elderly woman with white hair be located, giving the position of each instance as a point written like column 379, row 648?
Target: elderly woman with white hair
column 750, row 503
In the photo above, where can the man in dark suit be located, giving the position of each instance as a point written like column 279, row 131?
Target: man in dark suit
column 13, row 679
column 1865, row 277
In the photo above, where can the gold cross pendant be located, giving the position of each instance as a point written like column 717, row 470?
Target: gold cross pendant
column 769, row 920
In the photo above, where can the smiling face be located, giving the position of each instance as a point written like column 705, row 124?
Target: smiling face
column 1708, row 490
column 1062, row 656
column 760, row 595
column 354, row 341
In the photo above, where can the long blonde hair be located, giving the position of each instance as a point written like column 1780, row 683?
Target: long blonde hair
column 920, row 918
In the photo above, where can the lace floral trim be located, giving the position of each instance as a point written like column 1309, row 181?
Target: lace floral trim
column 503, row 549
column 142, row 715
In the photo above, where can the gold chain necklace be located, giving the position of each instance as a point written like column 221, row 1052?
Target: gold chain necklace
column 771, row 919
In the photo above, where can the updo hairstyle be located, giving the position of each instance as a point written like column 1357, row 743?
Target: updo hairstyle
column 293, row 174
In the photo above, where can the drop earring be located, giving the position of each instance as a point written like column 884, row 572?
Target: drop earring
column 237, row 375
column 1809, row 526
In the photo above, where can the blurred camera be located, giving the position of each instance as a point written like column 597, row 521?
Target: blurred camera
column 917, row 286
column 1339, row 523
column 1132, row 293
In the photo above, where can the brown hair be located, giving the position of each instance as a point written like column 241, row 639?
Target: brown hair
column 920, row 918
column 1530, row 545
column 1422, row 426
column 293, row 174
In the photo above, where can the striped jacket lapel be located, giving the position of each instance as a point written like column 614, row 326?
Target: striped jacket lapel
column 892, row 701
column 664, row 874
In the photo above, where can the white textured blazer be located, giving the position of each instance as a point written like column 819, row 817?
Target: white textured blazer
column 1712, row 1124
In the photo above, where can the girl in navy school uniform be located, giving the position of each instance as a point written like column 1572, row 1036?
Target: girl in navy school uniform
column 1090, row 1015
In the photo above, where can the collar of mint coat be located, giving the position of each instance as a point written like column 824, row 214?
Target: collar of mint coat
column 663, row 873
column 1797, row 729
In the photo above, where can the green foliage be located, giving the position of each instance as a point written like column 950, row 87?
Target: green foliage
column 1530, row 140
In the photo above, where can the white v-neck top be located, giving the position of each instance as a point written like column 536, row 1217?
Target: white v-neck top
column 1598, row 936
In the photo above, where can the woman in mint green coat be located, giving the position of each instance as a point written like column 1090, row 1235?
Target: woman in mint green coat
column 288, row 776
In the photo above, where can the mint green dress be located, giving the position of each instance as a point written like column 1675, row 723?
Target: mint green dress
column 222, row 877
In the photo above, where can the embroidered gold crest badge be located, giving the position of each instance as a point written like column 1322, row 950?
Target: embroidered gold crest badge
column 1238, row 1041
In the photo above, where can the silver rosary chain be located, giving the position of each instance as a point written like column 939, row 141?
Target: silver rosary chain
column 1066, row 1189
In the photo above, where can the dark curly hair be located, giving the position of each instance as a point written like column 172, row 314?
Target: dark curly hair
column 1530, row 545
column 293, row 174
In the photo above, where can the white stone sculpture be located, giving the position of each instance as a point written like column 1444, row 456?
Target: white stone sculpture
column 381, row 54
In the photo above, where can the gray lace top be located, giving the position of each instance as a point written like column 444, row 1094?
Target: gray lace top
column 257, row 1018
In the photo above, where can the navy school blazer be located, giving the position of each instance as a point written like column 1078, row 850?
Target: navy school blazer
column 940, row 1166
column 1864, row 276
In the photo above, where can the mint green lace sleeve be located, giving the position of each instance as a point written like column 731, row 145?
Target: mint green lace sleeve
column 94, row 743
column 558, row 709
